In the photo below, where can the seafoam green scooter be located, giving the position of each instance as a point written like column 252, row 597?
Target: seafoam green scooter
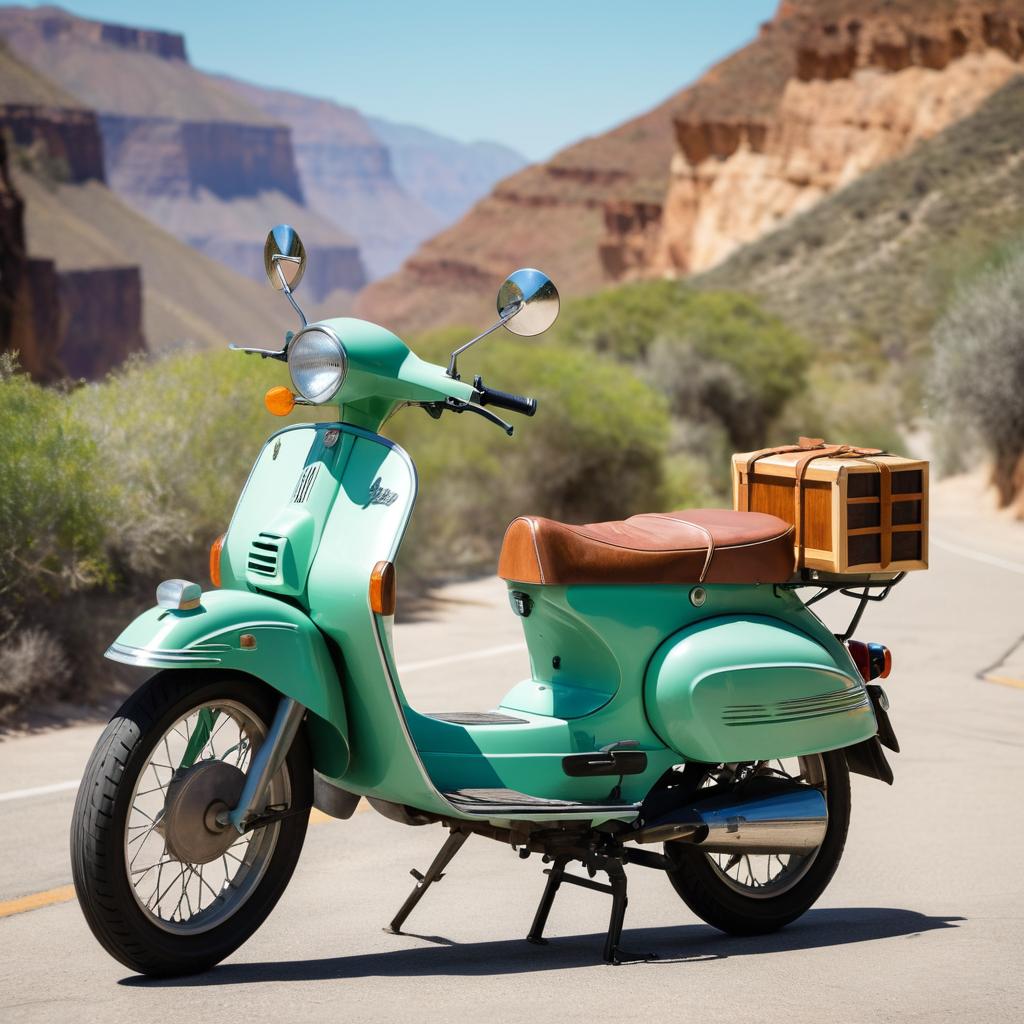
column 686, row 712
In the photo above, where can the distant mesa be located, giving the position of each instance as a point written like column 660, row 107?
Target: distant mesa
column 179, row 148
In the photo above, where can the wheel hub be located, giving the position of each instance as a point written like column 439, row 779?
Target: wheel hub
column 195, row 798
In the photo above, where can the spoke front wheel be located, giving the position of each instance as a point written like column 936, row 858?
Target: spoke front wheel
column 166, row 885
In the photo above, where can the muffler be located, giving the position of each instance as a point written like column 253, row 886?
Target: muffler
column 779, row 817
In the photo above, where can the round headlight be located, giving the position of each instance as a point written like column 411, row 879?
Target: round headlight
column 317, row 363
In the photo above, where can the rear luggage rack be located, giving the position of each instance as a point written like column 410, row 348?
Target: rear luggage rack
column 858, row 586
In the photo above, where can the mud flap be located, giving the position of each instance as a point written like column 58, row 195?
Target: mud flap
column 868, row 758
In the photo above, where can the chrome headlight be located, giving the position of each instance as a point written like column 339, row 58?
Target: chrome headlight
column 318, row 363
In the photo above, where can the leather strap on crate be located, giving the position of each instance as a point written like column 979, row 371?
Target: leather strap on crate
column 816, row 448
column 803, row 444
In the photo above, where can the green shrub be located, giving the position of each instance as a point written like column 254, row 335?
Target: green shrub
column 715, row 355
column 977, row 375
column 54, row 511
column 177, row 437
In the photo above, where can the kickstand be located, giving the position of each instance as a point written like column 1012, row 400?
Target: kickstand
column 616, row 888
column 434, row 873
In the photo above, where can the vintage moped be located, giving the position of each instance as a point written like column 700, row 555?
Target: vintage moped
column 681, row 692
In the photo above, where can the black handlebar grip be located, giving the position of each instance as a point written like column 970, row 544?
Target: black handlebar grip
column 504, row 400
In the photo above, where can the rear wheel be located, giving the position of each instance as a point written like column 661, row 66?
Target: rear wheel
column 165, row 888
column 750, row 894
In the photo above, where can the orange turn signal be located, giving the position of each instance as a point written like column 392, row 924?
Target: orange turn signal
column 383, row 594
column 279, row 401
column 215, row 549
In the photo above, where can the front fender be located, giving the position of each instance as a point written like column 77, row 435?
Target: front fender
column 290, row 654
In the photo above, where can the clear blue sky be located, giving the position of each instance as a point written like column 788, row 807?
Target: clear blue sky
column 536, row 75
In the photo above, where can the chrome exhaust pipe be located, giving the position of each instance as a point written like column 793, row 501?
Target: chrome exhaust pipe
column 790, row 820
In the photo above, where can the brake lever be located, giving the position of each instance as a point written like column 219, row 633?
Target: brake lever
column 454, row 405
column 263, row 353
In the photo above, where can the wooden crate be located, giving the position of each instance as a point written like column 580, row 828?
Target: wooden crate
column 848, row 526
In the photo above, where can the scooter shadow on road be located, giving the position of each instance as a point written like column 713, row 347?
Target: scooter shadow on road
column 683, row 944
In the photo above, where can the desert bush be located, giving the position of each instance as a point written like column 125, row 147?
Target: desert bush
column 53, row 509
column 594, row 451
column 977, row 374
column 716, row 356
column 177, row 438
column 32, row 663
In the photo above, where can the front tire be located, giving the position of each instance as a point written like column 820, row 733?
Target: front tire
column 161, row 916
column 751, row 900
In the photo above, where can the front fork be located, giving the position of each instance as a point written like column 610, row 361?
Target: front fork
column 264, row 765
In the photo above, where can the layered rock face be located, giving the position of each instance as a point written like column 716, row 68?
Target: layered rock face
column 181, row 149
column 39, row 116
column 161, row 157
column 548, row 215
column 861, row 90
column 828, row 90
column 346, row 174
column 863, row 93
column 103, row 319
column 28, row 288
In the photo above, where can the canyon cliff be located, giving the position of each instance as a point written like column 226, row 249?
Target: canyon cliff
column 864, row 84
column 346, row 174
column 828, row 90
column 390, row 186
column 184, row 151
column 59, row 324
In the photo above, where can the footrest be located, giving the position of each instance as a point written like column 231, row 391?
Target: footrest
column 481, row 801
column 477, row 718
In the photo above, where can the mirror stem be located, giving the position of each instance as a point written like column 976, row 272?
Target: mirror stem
column 505, row 317
column 287, row 290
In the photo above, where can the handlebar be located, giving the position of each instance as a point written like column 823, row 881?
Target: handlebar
column 503, row 399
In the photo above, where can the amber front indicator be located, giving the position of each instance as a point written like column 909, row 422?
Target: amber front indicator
column 215, row 549
column 279, row 401
column 383, row 594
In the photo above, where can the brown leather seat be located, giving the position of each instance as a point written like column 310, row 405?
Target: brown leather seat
column 697, row 546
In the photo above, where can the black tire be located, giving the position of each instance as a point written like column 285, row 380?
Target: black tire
column 101, row 814
column 705, row 892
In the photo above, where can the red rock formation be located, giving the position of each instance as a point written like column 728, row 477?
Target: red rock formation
column 860, row 85
column 29, row 301
column 102, row 319
column 829, row 89
column 162, row 157
column 178, row 146
column 68, row 137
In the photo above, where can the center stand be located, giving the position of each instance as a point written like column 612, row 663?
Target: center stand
column 596, row 851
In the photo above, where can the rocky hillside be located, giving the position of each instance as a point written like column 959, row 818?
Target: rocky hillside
column 29, row 303
column 346, row 173
column 862, row 84
column 869, row 269
column 828, row 90
column 60, row 324
column 446, row 175
column 188, row 300
column 548, row 215
column 391, row 186
column 187, row 153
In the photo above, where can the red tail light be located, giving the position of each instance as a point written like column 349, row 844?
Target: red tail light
column 873, row 661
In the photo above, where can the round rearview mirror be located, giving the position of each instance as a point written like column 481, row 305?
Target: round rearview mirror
column 284, row 257
column 530, row 299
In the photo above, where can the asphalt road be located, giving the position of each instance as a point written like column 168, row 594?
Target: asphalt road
column 923, row 922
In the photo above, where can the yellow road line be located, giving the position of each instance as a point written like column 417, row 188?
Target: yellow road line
column 66, row 893
column 1005, row 681
column 37, row 900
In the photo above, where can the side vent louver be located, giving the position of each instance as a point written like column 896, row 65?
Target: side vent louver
column 264, row 553
column 305, row 484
